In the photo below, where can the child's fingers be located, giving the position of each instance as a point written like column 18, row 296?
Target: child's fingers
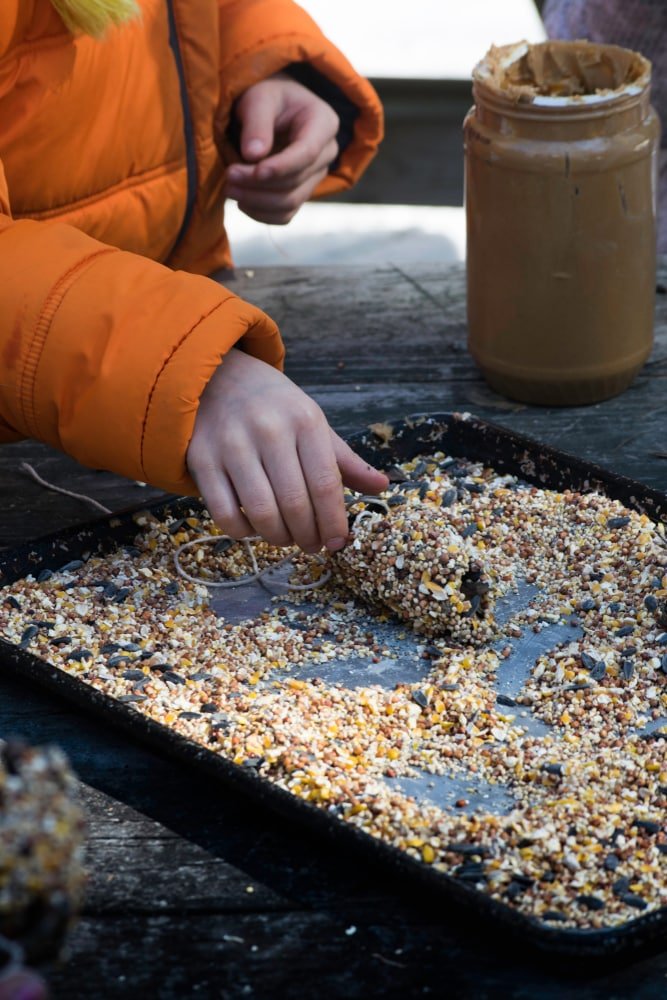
column 257, row 497
column 299, row 159
column 293, row 498
column 320, row 468
column 221, row 500
column 263, row 176
column 276, row 207
column 356, row 472
column 256, row 113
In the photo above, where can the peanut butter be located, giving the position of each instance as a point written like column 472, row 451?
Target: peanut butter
column 561, row 150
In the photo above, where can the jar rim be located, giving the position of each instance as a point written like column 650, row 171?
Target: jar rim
column 499, row 74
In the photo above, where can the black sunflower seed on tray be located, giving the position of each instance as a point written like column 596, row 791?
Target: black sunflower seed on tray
column 590, row 902
column 223, row 546
column 621, row 885
column 72, row 565
column 118, row 659
column 471, row 871
column 598, row 671
column 395, row 474
column 648, row 825
column 627, row 669
column 587, row 661
column 650, row 602
column 618, row 522
column 611, row 862
column 624, row 630
column 467, row 849
column 134, row 675
column 28, row 633
column 420, row 698
column 633, row 900
column 448, row 498
column 79, row 655
column 172, row 677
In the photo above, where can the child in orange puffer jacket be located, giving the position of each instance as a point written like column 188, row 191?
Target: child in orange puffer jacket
column 116, row 155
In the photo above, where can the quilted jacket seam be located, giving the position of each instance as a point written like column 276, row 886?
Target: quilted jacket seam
column 52, row 303
column 149, row 175
column 257, row 46
column 167, row 361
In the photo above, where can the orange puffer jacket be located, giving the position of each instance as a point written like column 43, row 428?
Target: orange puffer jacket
column 112, row 159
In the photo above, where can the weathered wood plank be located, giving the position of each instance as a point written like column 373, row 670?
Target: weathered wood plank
column 304, row 955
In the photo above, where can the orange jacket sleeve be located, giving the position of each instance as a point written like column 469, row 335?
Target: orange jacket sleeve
column 104, row 354
column 261, row 37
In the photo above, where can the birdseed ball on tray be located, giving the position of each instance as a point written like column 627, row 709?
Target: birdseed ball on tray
column 41, row 846
column 411, row 561
column 553, row 791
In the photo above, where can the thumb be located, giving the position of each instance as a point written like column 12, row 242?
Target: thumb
column 256, row 113
column 356, row 473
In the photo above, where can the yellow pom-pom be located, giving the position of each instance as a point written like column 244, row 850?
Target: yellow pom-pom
column 95, row 17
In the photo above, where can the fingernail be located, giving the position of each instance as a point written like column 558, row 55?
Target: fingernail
column 312, row 550
column 234, row 175
column 255, row 147
column 334, row 544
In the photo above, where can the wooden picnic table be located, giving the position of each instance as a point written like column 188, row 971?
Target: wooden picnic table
column 196, row 891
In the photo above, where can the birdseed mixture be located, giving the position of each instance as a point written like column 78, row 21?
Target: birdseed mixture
column 555, row 771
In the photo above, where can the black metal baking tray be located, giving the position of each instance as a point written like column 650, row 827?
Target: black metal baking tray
column 384, row 445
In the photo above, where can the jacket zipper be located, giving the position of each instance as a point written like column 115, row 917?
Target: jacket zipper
column 188, row 128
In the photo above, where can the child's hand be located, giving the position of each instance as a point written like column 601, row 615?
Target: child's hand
column 288, row 141
column 262, row 444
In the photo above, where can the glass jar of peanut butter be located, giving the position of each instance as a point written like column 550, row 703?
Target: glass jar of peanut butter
column 561, row 173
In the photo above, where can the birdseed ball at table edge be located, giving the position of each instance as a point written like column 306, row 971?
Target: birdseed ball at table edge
column 42, row 833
